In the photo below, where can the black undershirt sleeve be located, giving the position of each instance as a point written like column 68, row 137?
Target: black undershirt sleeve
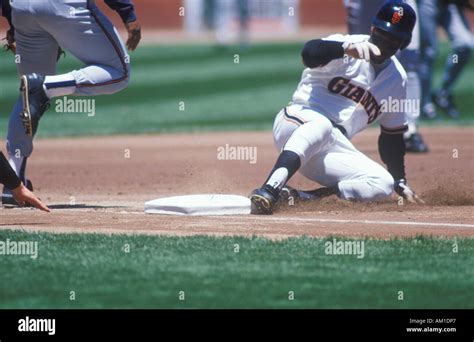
column 124, row 8
column 392, row 152
column 6, row 11
column 318, row 52
column 7, row 175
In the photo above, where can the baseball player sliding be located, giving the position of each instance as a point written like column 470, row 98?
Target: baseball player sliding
column 37, row 31
column 350, row 83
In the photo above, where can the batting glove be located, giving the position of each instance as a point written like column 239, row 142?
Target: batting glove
column 402, row 189
column 360, row 50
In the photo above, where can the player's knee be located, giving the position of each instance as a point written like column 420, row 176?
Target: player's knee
column 382, row 186
column 309, row 139
column 120, row 85
column 321, row 129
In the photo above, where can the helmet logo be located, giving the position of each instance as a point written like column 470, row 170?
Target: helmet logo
column 397, row 16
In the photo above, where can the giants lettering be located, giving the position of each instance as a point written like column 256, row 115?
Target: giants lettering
column 344, row 87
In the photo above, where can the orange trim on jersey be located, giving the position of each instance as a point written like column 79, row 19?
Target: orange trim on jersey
column 294, row 117
column 292, row 121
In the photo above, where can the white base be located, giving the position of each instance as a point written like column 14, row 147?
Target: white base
column 199, row 205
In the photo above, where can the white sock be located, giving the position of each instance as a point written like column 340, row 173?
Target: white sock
column 59, row 85
column 412, row 129
column 278, row 178
column 16, row 164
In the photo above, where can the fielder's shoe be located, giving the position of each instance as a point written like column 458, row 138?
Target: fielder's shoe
column 35, row 102
column 445, row 101
column 429, row 111
column 7, row 196
column 289, row 195
column 263, row 200
column 414, row 143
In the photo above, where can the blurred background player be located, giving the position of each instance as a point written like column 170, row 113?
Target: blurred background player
column 449, row 14
column 218, row 16
column 37, row 31
column 359, row 21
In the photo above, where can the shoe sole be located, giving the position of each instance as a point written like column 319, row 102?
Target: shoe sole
column 26, row 114
column 8, row 201
column 261, row 204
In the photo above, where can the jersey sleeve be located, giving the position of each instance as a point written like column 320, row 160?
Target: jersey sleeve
column 6, row 11
column 124, row 8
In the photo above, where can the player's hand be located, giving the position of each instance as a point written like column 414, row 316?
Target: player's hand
column 22, row 195
column 404, row 190
column 134, row 34
column 361, row 50
column 10, row 38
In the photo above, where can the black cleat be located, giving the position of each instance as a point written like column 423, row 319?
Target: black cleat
column 289, row 195
column 414, row 143
column 264, row 200
column 429, row 111
column 35, row 102
column 7, row 196
column 445, row 101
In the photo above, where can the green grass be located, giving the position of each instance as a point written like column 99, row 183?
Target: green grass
column 212, row 275
column 218, row 94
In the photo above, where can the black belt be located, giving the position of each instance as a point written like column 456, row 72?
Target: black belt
column 339, row 127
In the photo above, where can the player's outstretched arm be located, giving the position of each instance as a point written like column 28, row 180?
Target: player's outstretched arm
column 361, row 50
column 20, row 193
column 392, row 153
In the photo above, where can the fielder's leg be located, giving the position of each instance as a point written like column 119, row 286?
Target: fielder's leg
column 456, row 25
column 36, row 52
column 429, row 17
column 83, row 30
column 410, row 59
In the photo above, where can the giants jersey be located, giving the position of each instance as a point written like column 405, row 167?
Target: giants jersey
column 350, row 94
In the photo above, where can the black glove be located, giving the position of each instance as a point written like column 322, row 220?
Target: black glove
column 404, row 190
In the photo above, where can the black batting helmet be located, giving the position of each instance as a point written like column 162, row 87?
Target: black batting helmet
column 397, row 18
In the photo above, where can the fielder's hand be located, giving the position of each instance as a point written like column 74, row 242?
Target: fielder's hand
column 134, row 34
column 360, row 50
column 404, row 190
column 22, row 195
column 10, row 38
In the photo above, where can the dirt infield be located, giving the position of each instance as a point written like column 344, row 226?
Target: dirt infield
column 99, row 184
